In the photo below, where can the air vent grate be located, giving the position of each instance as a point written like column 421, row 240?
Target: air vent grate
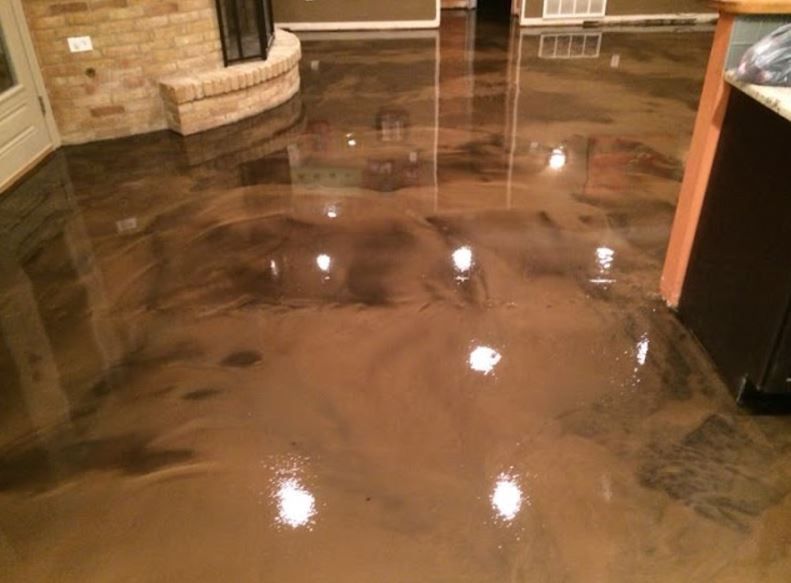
column 574, row 8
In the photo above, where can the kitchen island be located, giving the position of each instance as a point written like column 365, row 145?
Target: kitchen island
column 728, row 266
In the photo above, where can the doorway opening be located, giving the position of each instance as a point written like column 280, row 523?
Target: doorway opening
column 494, row 10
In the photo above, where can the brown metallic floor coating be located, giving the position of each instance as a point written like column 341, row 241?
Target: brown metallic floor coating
column 372, row 336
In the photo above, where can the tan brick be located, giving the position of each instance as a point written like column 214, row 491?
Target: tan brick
column 124, row 38
column 66, row 93
column 187, row 39
column 125, row 13
column 184, row 17
column 49, row 34
column 171, row 31
column 109, row 133
column 189, row 5
column 124, row 50
column 134, row 81
column 89, row 101
column 156, row 70
column 71, row 80
column 217, row 86
column 81, row 19
column 48, row 22
column 162, row 8
column 99, row 4
column 151, row 23
column 107, row 110
column 198, row 50
column 35, row 9
column 128, row 95
column 64, row 8
column 201, row 26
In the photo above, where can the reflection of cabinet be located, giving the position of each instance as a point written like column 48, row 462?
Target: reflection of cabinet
column 737, row 292
column 392, row 124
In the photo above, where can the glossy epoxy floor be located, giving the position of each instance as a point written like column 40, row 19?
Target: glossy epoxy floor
column 404, row 328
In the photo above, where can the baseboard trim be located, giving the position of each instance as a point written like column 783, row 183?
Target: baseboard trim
column 614, row 28
column 363, row 25
column 636, row 19
column 17, row 176
column 346, row 35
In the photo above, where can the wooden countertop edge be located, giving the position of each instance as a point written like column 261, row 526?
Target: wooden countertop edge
column 752, row 6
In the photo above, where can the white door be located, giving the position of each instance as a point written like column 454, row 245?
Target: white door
column 26, row 133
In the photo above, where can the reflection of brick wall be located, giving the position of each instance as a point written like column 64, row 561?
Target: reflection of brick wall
column 112, row 91
column 228, row 148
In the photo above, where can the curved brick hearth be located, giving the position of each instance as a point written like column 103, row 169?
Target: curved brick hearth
column 200, row 101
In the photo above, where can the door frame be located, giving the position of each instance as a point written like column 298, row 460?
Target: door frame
column 29, row 54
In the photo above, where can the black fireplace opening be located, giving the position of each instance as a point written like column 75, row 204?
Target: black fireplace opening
column 247, row 29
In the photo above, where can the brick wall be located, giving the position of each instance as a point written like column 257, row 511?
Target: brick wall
column 112, row 91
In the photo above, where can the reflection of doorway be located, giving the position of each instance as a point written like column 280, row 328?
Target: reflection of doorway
column 27, row 134
column 494, row 10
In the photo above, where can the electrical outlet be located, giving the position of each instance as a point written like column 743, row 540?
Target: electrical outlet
column 126, row 225
column 80, row 44
column 615, row 61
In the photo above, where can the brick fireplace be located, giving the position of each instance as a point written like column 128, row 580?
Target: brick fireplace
column 198, row 101
column 114, row 90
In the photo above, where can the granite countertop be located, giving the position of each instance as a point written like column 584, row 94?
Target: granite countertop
column 778, row 99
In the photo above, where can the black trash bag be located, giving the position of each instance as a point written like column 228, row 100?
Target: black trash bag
column 768, row 62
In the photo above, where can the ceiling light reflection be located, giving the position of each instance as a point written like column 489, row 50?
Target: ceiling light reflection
column 641, row 350
column 507, row 497
column 296, row 505
column 324, row 262
column 640, row 357
column 483, row 359
column 557, row 158
column 462, row 261
column 605, row 258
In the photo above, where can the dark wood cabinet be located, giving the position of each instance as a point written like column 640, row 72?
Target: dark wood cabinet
column 737, row 292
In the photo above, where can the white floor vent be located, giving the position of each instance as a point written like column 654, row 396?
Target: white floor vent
column 576, row 9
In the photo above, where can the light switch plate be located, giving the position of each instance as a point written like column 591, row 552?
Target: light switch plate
column 80, row 44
